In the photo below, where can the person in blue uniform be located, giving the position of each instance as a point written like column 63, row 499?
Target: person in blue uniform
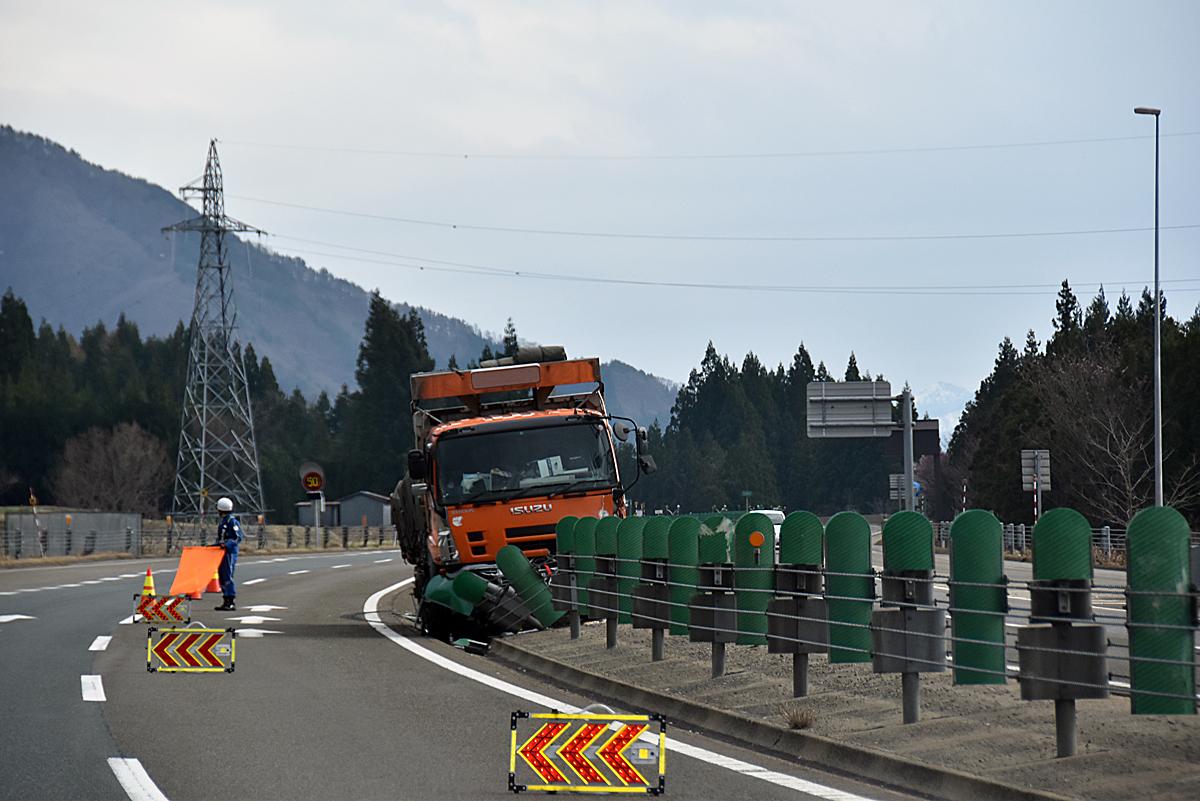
column 229, row 537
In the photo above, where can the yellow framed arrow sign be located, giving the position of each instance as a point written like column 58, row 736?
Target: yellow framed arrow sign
column 190, row 650
column 587, row 753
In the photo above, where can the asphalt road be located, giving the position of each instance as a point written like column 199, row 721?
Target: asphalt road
column 323, row 704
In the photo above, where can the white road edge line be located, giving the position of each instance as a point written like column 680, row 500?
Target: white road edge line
column 371, row 614
column 93, row 687
column 135, row 780
column 100, row 643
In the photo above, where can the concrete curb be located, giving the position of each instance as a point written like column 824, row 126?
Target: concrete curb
column 821, row 752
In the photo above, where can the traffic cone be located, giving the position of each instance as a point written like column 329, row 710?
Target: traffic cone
column 148, row 584
column 214, row 585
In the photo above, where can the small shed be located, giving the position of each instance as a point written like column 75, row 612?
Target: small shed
column 365, row 508
column 330, row 517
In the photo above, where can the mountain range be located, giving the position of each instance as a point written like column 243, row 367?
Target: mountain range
column 83, row 244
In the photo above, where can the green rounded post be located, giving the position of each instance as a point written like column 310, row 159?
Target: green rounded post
column 907, row 542
column 606, row 536
column 753, row 576
column 713, row 548
column 683, row 555
column 849, row 587
column 1160, row 614
column 529, row 585
column 585, row 558
column 801, row 539
column 629, row 565
column 977, row 612
column 1062, row 546
column 470, row 587
column 564, row 535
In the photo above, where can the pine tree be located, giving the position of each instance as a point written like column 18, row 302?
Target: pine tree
column 852, row 373
column 510, row 339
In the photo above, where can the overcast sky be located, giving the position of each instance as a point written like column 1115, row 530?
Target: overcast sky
column 297, row 91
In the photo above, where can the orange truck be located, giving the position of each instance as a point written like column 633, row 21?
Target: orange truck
column 503, row 452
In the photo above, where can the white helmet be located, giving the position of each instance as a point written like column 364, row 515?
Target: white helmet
column 224, row 505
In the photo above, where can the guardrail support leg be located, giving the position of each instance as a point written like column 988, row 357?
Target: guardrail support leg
column 573, row 615
column 799, row 675
column 718, row 659
column 610, row 632
column 910, row 687
column 656, row 644
column 1064, row 726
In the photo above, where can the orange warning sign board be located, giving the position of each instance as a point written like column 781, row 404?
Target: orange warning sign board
column 196, row 567
column 602, row 751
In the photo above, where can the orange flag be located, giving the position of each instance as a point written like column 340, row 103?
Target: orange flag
column 196, row 568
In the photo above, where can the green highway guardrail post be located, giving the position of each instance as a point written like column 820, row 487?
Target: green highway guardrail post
column 978, row 598
column 683, row 555
column 563, row 586
column 849, row 587
column 712, row 613
column 585, row 560
column 530, row 586
column 753, row 575
column 1062, row 652
column 651, row 609
column 629, row 566
column 602, row 589
column 1161, row 617
column 797, row 621
column 910, row 637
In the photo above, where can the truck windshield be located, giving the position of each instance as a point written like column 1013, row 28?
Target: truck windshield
column 494, row 465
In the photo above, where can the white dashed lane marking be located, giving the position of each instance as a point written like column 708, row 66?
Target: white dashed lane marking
column 135, row 780
column 382, row 561
column 339, row 567
column 298, row 572
column 93, row 688
column 253, row 581
column 100, row 643
column 11, row 618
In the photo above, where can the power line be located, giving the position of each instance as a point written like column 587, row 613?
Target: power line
column 441, row 265
column 704, row 237
column 432, row 154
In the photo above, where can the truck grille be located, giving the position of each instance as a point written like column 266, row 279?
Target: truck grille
column 532, row 538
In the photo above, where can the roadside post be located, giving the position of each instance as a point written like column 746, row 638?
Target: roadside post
column 602, row 588
column 1062, row 651
column 753, row 575
column 563, row 588
column 683, row 554
column 585, row 560
column 910, row 637
column 978, row 598
column 629, row 564
column 1161, row 599
column 312, row 479
column 1035, row 476
column 796, row 618
column 849, row 587
column 652, row 596
column 712, row 611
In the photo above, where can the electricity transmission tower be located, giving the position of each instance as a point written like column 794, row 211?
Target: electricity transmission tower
column 217, row 454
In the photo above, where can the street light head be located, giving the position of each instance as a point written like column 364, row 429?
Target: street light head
column 1147, row 110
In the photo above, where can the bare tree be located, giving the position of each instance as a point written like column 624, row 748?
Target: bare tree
column 1102, row 433
column 122, row 469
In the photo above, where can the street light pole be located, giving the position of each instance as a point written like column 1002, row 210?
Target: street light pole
column 1158, row 452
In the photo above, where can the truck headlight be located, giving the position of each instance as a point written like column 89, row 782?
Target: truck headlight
column 446, row 547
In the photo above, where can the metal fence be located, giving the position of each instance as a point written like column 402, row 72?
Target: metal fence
column 39, row 543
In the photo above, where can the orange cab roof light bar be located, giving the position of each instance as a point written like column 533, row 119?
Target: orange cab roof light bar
column 468, row 383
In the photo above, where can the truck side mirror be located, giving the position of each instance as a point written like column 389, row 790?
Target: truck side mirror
column 416, row 465
column 646, row 464
column 621, row 430
column 643, row 441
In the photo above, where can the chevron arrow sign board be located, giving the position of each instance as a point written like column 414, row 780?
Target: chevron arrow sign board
column 190, row 650
column 163, row 608
column 588, row 753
